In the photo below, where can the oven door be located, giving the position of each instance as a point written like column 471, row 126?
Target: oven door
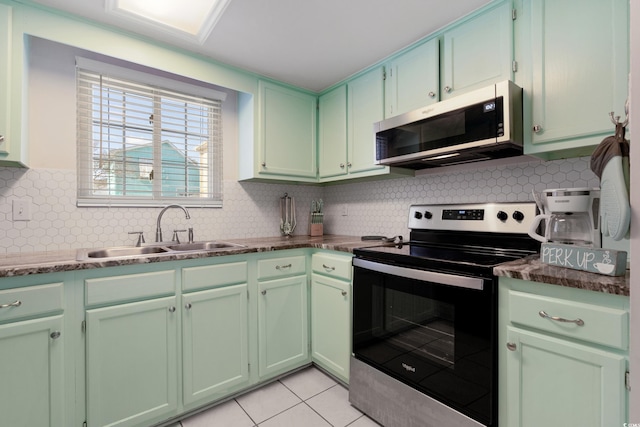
column 435, row 332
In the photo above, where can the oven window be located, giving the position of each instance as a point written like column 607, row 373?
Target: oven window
column 435, row 338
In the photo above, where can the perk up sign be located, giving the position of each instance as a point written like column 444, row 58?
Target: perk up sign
column 601, row 261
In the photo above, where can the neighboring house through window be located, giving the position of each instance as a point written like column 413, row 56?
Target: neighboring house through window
column 145, row 139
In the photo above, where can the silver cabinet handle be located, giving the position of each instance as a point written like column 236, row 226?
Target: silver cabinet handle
column 282, row 267
column 328, row 268
column 188, row 306
column 341, row 165
column 55, row 335
column 432, row 94
column 344, row 293
column 448, row 89
column 537, row 129
column 578, row 322
column 264, row 292
column 511, row 346
column 172, row 309
column 16, row 303
column 349, row 164
column 264, row 164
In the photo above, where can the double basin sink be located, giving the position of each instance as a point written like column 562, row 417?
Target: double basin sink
column 154, row 249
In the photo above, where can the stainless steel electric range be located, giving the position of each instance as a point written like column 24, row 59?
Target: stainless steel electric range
column 425, row 315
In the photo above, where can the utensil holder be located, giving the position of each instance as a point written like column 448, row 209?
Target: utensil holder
column 287, row 215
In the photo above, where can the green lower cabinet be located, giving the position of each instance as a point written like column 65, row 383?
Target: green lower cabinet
column 283, row 326
column 32, row 372
column 215, row 354
column 554, row 382
column 131, row 363
column 330, row 320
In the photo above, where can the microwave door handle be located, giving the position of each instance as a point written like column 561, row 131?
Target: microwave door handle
column 426, row 276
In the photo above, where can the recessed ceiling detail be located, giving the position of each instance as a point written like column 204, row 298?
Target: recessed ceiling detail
column 193, row 22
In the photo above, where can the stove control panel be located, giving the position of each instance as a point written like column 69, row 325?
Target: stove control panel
column 490, row 217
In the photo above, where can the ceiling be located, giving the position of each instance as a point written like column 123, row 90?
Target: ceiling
column 311, row 44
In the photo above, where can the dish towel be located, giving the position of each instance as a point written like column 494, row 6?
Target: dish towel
column 610, row 161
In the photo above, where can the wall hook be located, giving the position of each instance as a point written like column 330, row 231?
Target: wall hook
column 616, row 119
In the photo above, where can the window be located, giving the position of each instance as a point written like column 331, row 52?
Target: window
column 146, row 140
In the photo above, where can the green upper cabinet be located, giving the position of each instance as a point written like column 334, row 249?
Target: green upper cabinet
column 575, row 60
column 5, row 78
column 412, row 79
column 332, row 133
column 365, row 106
column 287, row 133
column 477, row 52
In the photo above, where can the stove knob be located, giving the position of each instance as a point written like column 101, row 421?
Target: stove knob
column 518, row 216
column 417, row 215
column 428, row 214
column 502, row 216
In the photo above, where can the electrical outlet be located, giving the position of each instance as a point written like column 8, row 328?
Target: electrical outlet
column 344, row 210
column 21, row 210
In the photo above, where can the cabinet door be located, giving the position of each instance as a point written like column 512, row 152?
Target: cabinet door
column 287, row 132
column 478, row 52
column 32, row 372
column 552, row 382
column 283, row 331
column 579, row 53
column 131, row 352
column 365, row 107
column 333, row 133
column 412, row 80
column 5, row 76
column 330, row 324
column 215, row 342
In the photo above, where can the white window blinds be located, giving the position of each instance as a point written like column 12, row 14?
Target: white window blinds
column 145, row 140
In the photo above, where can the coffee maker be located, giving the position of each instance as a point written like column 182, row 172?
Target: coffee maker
column 570, row 215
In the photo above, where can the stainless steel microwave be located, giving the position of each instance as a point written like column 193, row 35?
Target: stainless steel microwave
column 480, row 125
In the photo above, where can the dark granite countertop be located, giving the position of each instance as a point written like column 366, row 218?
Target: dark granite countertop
column 67, row 260
column 531, row 268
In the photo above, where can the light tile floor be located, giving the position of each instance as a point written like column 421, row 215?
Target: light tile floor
column 308, row 398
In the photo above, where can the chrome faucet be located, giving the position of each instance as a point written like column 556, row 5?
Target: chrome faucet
column 158, row 229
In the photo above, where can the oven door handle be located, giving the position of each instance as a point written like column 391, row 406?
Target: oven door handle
column 427, row 276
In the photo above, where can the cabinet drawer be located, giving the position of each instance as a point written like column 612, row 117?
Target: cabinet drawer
column 211, row 276
column 332, row 265
column 31, row 301
column 281, row 267
column 129, row 287
column 601, row 325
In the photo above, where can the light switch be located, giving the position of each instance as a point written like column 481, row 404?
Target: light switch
column 21, row 210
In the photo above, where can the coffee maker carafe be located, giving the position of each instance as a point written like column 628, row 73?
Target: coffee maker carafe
column 571, row 216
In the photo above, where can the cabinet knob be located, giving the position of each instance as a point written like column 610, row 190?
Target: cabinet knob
column 448, row 89
column 172, row 309
column 511, row 346
column 264, row 164
column 55, row 335
column 341, row 165
column 537, row 128
column 264, row 292
column 344, row 293
column 349, row 164
column 188, row 306
column 1, row 138
column 432, row 94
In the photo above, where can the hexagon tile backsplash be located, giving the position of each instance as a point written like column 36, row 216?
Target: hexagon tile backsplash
column 252, row 209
